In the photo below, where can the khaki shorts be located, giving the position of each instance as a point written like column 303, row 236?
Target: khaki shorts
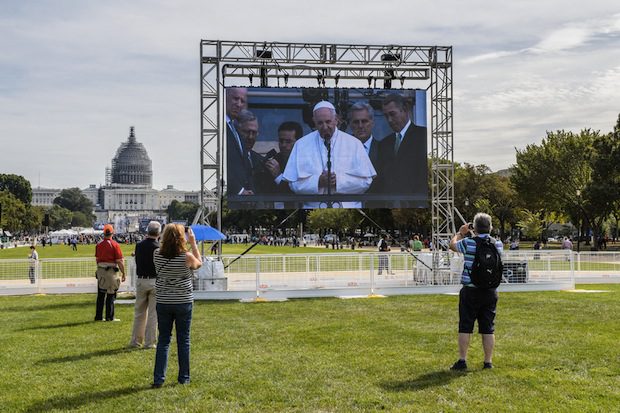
column 108, row 279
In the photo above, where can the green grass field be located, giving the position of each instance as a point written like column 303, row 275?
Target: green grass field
column 556, row 351
column 64, row 251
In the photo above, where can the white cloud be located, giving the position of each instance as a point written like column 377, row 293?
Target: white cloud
column 74, row 76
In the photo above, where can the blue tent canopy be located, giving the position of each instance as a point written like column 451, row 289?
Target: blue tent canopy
column 207, row 233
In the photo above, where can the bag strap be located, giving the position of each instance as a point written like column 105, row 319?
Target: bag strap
column 162, row 267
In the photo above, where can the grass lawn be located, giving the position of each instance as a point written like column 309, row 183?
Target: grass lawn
column 64, row 251
column 556, row 351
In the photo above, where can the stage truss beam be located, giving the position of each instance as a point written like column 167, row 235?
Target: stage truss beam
column 241, row 63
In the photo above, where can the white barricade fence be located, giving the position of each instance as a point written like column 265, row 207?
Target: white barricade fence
column 327, row 274
column 597, row 267
column 56, row 275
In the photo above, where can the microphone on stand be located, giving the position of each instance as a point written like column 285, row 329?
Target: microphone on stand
column 328, row 145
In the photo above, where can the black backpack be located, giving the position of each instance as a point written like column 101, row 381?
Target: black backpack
column 486, row 270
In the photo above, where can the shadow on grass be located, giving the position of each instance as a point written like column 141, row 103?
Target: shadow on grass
column 87, row 356
column 49, row 327
column 49, row 306
column 433, row 379
column 63, row 403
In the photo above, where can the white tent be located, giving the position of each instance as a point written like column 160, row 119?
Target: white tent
column 91, row 231
column 63, row 233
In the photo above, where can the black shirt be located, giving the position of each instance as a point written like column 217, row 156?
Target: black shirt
column 144, row 257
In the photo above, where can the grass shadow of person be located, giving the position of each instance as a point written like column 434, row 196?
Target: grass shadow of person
column 432, row 379
column 49, row 327
column 87, row 356
column 64, row 403
column 45, row 306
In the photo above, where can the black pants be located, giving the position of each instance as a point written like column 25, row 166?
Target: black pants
column 109, row 305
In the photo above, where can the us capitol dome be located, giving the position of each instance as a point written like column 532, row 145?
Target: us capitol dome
column 131, row 165
column 127, row 199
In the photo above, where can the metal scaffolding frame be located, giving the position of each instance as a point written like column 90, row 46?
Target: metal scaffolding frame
column 247, row 63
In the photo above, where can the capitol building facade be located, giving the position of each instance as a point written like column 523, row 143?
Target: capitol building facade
column 127, row 199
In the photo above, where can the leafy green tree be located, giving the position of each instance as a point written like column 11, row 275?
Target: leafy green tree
column 504, row 202
column 603, row 190
column 416, row 220
column 383, row 217
column 556, row 175
column 18, row 186
column 74, row 200
column 33, row 218
column 477, row 189
column 13, row 211
column 59, row 217
column 336, row 220
column 182, row 211
column 531, row 225
column 79, row 219
column 469, row 186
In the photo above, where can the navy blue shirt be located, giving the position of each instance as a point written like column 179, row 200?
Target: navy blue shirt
column 144, row 257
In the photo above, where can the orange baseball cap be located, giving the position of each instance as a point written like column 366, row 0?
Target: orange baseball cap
column 108, row 229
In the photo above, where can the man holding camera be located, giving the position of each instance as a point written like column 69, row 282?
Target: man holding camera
column 288, row 133
column 475, row 303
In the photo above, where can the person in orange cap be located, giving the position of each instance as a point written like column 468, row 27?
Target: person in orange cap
column 109, row 262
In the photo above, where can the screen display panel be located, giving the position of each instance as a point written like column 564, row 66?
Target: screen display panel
column 325, row 148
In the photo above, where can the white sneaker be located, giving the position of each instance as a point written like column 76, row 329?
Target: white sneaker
column 116, row 319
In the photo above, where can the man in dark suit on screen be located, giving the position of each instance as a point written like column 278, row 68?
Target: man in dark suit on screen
column 362, row 121
column 239, row 171
column 402, row 161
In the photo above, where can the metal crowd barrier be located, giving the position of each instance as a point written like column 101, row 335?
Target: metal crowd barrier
column 337, row 274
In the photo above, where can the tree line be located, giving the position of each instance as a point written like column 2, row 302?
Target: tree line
column 17, row 214
column 568, row 177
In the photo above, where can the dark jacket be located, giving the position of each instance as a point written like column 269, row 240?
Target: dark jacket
column 144, row 257
column 239, row 172
column 404, row 173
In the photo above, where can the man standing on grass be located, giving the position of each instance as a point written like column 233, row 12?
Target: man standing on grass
column 475, row 303
column 109, row 262
column 145, row 315
column 34, row 259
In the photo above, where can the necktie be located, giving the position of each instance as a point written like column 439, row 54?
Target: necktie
column 234, row 131
column 397, row 142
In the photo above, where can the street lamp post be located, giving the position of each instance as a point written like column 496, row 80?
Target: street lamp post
column 578, row 219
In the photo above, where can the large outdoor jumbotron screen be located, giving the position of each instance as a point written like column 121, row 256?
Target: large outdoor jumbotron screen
column 325, row 148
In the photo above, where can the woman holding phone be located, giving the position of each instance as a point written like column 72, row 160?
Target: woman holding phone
column 174, row 297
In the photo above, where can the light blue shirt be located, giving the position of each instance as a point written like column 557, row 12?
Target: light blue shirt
column 467, row 247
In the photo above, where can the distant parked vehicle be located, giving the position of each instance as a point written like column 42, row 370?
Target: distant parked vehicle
column 330, row 238
column 311, row 237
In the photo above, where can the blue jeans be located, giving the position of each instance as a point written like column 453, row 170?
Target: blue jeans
column 181, row 316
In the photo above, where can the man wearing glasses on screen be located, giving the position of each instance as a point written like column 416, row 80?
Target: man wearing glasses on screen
column 362, row 121
column 261, row 180
column 328, row 161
